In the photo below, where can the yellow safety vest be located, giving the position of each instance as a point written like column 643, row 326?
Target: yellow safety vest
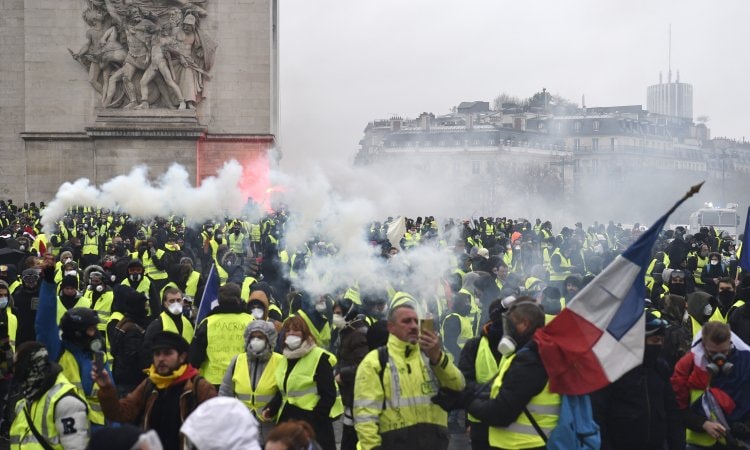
column 475, row 314
column 42, row 414
column 224, row 333
column 322, row 337
column 247, row 283
column 150, row 269
column 701, row 263
column 90, row 245
column 191, row 287
column 467, row 331
column 299, row 388
column 72, row 372
column 544, row 408
column 485, row 366
column 255, row 232
column 144, row 286
column 167, row 324
column 103, row 307
column 255, row 399
column 717, row 316
column 564, row 267
column 235, row 243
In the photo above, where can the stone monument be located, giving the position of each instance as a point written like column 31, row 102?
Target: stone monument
column 91, row 88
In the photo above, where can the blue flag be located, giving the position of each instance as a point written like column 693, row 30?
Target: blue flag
column 210, row 295
column 745, row 251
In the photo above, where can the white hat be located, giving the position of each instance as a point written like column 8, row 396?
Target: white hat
column 207, row 426
column 484, row 253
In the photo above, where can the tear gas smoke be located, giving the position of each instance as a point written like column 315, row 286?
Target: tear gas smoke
column 171, row 193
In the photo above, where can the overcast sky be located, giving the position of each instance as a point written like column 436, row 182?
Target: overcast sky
column 347, row 62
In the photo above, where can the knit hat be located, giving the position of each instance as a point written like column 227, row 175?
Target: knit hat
column 69, row 281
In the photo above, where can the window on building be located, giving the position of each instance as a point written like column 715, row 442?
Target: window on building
column 475, row 167
column 577, row 145
column 595, row 144
column 541, row 125
column 596, row 125
column 612, row 143
column 578, row 126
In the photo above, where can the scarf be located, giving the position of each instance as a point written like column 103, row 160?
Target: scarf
column 301, row 351
column 185, row 372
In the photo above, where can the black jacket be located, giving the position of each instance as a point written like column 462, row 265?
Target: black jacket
column 640, row 411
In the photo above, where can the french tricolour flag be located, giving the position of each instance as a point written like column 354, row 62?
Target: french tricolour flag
column 600, row 334
column 210, row 298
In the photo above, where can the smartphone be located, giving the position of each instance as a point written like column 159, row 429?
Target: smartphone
column 98, row 362
column 428, row 323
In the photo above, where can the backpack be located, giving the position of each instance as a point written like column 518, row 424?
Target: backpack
column 128, row 350
column 576, row 428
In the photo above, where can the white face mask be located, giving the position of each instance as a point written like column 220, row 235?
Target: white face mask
column 257, row 345
column 714, row 263
column 70, row 272
column 320, row 307
column 257, row 313
column 175, row 308
column 3, row 302
column 293, row 342
column 338, row 321
column 506, row 346
column 708, row 310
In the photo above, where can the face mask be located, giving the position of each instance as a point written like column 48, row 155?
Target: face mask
column 257, row 345
column 506, row 346
column 338, row 321
column 96, row 344
column 67, row 260
column 677, row 289
column 98, row 287
column 175, row 308
column 708, row 310
column 257, row 313
column 651, row 354
column 70, row 272
column 714, row 262
column 320, row 307
column 719, row 364
column 219, row 236
column 293, row 342
column 3, row 302
column 136, row 277
column 726, row 297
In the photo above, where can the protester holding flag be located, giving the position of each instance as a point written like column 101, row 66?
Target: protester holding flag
column 710, row 384
column 639, row 411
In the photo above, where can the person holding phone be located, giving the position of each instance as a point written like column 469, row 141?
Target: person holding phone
column 395, row 384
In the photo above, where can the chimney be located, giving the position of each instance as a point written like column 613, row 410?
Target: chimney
column 424, row 121
column 395, row 123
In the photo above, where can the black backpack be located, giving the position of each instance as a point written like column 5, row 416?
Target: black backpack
column 127, row 350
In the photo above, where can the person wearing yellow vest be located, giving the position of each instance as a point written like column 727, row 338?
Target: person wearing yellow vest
column 49, row 414
column 251, row 375
column 171, row 318
column 316, row 319
column 263, row 292
column 522, row 384
column 136, row 278
column 712, row 363
column 480, row 363
column 457, row 328
column 307, row 390
column 166, row 398
column 392, row 401
column 218, row 338
column 703, row 308
column 126, row 329
column 560, row 267
column 90, row 251
column 99, row 295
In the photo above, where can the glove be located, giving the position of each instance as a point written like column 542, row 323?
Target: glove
column 448, row 399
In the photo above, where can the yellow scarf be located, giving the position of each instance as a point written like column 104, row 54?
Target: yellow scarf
column 163, row 382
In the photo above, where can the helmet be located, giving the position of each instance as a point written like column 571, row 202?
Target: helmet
column 76, row 321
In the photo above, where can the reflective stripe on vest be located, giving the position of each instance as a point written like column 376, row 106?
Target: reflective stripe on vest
column 299, row 388
column 167, row 324
column 72, row 372
column 224, row 333
column 42, row 413
column 255, row 399
column 544, row 408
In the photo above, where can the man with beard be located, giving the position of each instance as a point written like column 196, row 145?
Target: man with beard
column 522, row 384
column 166, row 398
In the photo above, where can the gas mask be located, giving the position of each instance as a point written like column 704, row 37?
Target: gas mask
column 719, row 363
column 135, row 277
column 96, row 343
column 508, row 344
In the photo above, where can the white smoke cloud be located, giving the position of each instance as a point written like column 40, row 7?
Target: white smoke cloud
column 171, row 193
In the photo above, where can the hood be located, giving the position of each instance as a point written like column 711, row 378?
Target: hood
column 674, row 306
column 469, row 280
column 88, row 270
column 258, row 296
column 265, row 327
column 696, row 303
column 207, row 427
